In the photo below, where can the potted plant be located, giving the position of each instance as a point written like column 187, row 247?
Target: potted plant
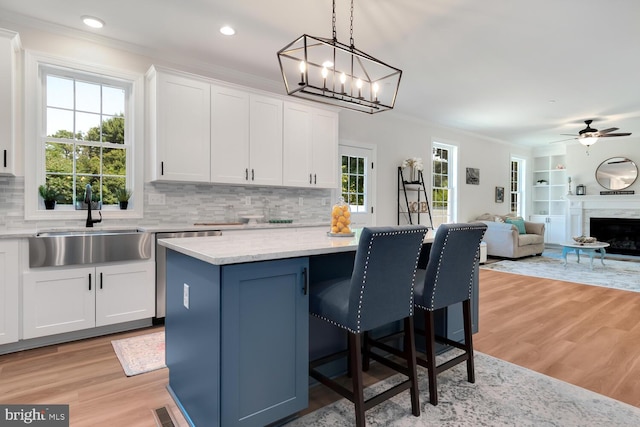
column 123, row 196
column 49, row 195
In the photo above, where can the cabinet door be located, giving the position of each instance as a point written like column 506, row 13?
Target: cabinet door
column 9, row 47
column 265, row 318
column 9, row 283
column 125, row 292
column 324, row 125
column 297, row 150
column 555, row 229
column 229, row 135
column 57, row 301
column 265, row 148
column 182, row 136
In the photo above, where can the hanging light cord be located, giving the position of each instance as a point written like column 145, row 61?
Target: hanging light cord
column 333, row 22
column 333, row 25
column 351, row 28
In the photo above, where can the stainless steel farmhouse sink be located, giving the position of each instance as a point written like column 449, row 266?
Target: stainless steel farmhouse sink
column 59, row 248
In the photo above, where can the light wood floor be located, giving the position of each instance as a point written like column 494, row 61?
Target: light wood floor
column 585, row 335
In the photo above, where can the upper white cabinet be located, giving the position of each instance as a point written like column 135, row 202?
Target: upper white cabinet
column 246, row 138
column 310, row 150
column 203, row 131
column 9, row 285
column 178, row 125
column 9, row 51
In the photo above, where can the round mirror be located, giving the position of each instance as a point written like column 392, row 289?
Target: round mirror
column 616, row 173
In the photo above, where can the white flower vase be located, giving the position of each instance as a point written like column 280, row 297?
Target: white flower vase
column 414, row 174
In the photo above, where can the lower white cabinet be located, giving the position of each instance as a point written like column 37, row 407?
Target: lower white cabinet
column 9, row 285
column 554, row 228
column 59, row 300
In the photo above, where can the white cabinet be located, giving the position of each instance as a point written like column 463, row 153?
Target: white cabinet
column 310, row 147
column 9, row 285
column 9, row 51
column 58, row 300
column 246, row 138
column 178, row 125
column 554, row 228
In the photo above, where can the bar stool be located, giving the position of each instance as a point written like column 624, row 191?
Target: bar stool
column 378, row 292
column 448, row 280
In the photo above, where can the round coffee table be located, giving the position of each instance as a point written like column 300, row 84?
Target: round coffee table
column 588, row 248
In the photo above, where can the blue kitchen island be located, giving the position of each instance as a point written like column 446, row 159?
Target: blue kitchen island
column 238, row 332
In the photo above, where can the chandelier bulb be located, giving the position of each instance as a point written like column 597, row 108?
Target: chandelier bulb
column 343, row 79
column 303, row 67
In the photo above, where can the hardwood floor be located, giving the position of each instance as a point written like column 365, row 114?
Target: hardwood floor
column 585, row 335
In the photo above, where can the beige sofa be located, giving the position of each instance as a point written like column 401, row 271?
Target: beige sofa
column 504, row 240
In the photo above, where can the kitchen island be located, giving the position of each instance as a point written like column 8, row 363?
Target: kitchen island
column 238, row 332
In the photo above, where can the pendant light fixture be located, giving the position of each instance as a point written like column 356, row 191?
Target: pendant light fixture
column 327, row 71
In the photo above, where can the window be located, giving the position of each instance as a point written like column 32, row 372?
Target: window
column 83, row 125
column 443, row 184
column 85, row 118
column 353, row 179
column 516, row 185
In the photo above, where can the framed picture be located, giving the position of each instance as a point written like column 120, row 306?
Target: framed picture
column 499, row 194
column 473, row 176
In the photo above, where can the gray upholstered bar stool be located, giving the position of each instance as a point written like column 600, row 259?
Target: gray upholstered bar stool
column 448, row 280
column 379, row 292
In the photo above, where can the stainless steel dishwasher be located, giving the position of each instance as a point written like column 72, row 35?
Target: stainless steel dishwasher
column 161, row 265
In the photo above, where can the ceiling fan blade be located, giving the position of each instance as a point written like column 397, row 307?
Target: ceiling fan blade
column 562, row 140
column 615, row 134
column 607, row 130
column 569, row 134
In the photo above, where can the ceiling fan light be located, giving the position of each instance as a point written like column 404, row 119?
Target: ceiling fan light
column 588, row 141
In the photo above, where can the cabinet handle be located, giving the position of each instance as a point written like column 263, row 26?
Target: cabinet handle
column 100, row 280
column 310, row 182
column 315, row 181
column 5, row 158
column 161, row 168
column 246, row 174
column 305, row 281
column 252, row 175
column 89, row 281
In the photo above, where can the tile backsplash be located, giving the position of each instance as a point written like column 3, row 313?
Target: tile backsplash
column 187, row 203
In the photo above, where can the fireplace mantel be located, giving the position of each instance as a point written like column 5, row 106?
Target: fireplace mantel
column 582, row 208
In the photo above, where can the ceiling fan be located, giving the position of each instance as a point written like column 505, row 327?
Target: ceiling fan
column 589, row 136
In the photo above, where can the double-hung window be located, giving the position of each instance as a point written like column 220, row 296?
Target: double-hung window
column 443, row 173
column 84, row 126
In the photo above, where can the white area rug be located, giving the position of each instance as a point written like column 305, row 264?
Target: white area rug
column 615, row 274
column 140, row 354
column 503, row 395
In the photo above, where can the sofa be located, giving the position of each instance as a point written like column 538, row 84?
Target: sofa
column 512, row 237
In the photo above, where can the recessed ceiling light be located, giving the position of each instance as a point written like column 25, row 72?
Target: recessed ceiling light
column 92, row 21
column 227, row 30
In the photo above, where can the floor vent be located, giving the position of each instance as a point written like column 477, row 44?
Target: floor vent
column 163, row 417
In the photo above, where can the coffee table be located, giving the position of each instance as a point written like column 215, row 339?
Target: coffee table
column 589, row 249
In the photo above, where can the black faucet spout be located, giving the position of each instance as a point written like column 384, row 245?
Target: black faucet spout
column 87, row 200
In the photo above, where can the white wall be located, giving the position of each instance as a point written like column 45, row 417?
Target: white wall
column 399, row 138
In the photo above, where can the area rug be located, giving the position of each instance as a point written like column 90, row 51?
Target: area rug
column 504, row 394
column 140, row 354
column 615, row 274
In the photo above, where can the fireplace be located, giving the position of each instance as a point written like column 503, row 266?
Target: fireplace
column 623, row 234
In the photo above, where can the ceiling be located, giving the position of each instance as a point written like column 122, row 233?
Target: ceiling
column 515, row 71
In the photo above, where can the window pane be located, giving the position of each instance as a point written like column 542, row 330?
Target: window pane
column 59, row 123
column 113, row 129
column 81, row 184
column 88, row 97
column 63, row 184
column 360, row 187
column 59, row 92
column 114, row 161
column 109, row 187
column 88, row 125
column 87, row 160
column 59, row 157
column 113, row 101
column 361, row 166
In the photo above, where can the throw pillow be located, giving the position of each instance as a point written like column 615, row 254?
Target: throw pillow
column 499, row 219
column 519, row 223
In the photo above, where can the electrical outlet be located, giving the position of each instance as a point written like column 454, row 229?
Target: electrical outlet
column 185, row 296
column 300, row 201
column 157, row 199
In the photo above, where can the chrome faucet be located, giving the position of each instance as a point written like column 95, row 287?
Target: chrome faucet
column 87, row 200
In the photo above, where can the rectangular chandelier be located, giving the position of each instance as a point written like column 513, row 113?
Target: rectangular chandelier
column 330, row 72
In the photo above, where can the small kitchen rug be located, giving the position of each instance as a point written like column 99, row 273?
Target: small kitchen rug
column 140, row 354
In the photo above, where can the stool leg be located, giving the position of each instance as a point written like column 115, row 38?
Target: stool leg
column 430, row 351
column 356, row 378
column 410, row 355
column 468, row 340
column 366, row 350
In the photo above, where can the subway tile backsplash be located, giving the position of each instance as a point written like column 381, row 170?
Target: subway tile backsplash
column 186, row 204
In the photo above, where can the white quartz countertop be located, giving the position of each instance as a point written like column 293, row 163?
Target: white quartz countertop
column 257, row 245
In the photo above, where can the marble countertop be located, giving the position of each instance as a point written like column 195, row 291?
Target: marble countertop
column 259, row 245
